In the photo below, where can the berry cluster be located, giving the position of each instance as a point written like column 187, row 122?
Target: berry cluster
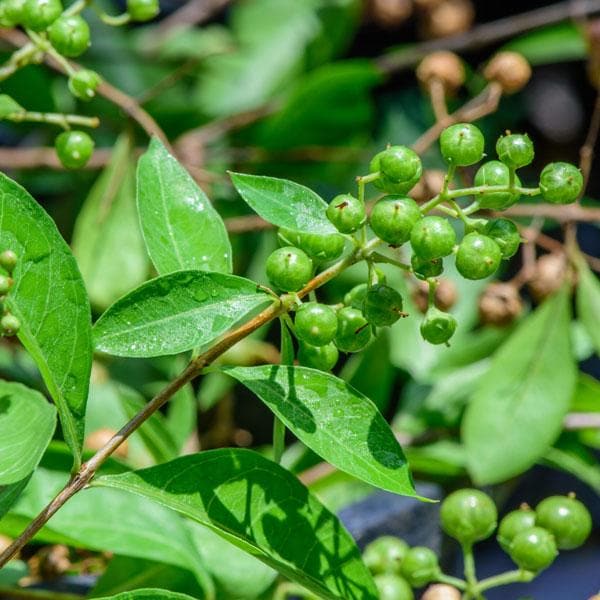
column 9, row 324
column 398, row 220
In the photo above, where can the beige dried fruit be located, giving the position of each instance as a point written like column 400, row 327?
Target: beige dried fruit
column 500, row 304
column 509, row 69
column 443, row 66
column 441, row 591
column 447, row 18
column 444, row 299
column 549, row 274
column 391, row 13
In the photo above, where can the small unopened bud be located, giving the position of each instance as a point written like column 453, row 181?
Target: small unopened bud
column 391, row 13
column 447, row 18
column 9, row 324
column 550, row 272
column 444, row 298
column 441, row 591
column 8, row 261
column 443, row 66
column 509, row 69
column 500, row 304
column 99, row 438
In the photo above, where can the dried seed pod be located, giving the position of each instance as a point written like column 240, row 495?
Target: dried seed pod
column 445, row 295
column 50, row 562
column 447, row 18
column 429, row 185
column 593, row 39
column 500, row 304
column 391, row 13
column 441, row 591
column 443, row 66
column 550, row 272
column 100, row 437
column 426, row 5
column 510, row 69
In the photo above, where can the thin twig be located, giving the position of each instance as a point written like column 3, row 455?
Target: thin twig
column 192, row 13
column 437, row 95
column 575, row 421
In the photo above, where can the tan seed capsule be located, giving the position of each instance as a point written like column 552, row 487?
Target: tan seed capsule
column 500, row 304
column 509, row 69
column 444, row 299
column 441, row 591
column 443, row 66
column 550, row 272
column 391, row 13
column 447, row 18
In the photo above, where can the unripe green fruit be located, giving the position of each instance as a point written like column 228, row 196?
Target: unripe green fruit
column 289, row 269
column 566, row 518
column 393, row 218
column 478, row 256
column 392, row 587
column 40, row 14
column 74, row 148
column 561, row 183
column 505, row 233
column 353, row 332
column 424, row 269
column 533, row 549
column 142, row 10
column 462, row 144
column 494, row 173
column 437, row 326
column 385, row 555
column 8, row 260
column 10, row 325
column 70, row 35
column 356, row 296
column 397, row 164
column 420, row 566
column 320, row 247
column 12, row 11
column 515, row 150
column 347, row 213
column 514, row 523
column 315, row 324
column 468, row 516
column 395, row 187
column 6, row 284
column 382, row 306
column 323, row 358
column 432, row 237
column 84, row 83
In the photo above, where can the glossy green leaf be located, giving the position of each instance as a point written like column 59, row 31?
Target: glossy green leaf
column 181, row 228
column 577, row 462
column 517, row 411
column 262, row 508
column 588, row 303
column 50, row 300
column 148, row 594
column 9, row 494
column 107, row 240
column 284, row 203
column 177, row 312
column 336, row 421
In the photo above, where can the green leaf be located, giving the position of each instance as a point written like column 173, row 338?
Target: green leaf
column 284, row 203
column 177, row 312
column 148, row 594
column 181, row 228
column 575, row 460
column 50, row 300
column 8, row 106
column 9, row 494
column 588, row 303
column 517, row 412
column 27, row 423
column 336, row 421
column 262, row 508
column 107, row 241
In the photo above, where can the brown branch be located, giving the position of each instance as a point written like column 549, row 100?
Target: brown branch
column 437, row 95
column 560, row 213
column 34, row 158
column 192, row 13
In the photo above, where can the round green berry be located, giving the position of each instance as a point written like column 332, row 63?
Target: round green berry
column 478, row 256
column 420, row 566
column 40, row 14
column 514, row 523
column 432, row 237
column 323, row 358
column 382, row 306
column 385, row 554
column 74, row 148
column 462, row 144
column 393, row 187
column 533, row 549
column 12, row 12
column 84, row 83
column 566, row 518
column 320, row 247
column 353, row 331
column 5, row 284
column 397, row 164
column 424, row 269
column 347, row 213
column 393, row 218
column 356, row 296
column 437, row 326
column 505, row 233
column 561, row 183
column 515, row 150
column 289, row 269
column 468, row 516
column 70, row 35
column 495, row 173
column 315, row 324
column 8, row 260
column 142, row 10
column 392, row 587
column 9, row 325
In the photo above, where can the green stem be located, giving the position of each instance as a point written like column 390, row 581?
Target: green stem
column 20, row 58
column 517, row 576
column 286, row 589
column 64, row 121
column 116, row 20
column 431, row 294
column 381, row 258
column 459, row 584
column 469, row 561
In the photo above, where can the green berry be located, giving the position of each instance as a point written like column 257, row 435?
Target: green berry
column 494, row 173
column 289, row 269
column 316, row 324
column 385, row 554
column 397, row 164
column 323, row 358
column 392, row 587
column 382, row 306
column 420, row 566
column 347, row 213
column 356, row 296
column 424, row 269
column 432, row 237
column 320, row 247
column 8, row 260
column 478, row 256
column 84, row 83
column 566, row 518
column 505, row 233
column 9, row 324
column 468, row 516
column 514, row 523
column 40, row 14
column 561, row 183
column 437, row 326
column 74, row 148
column 70, row 35
column 533, row 549
column 393, row 187
column 515, row 150
column 393, row 218
column 353, row 331
column 142, row 10
column 13, row 11
column 5, row 284
column 462, row 144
